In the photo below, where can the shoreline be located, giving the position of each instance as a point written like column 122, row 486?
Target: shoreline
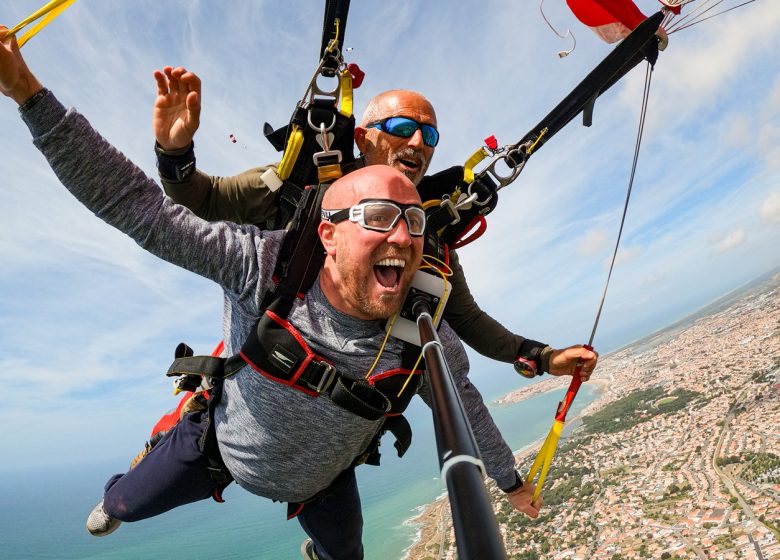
column 435, row 516
column 547, row 386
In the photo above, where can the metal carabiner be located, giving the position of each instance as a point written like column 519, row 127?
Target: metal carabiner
column 324, row 140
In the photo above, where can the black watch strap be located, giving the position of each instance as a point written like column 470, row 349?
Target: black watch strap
column 516, row 486
column 175, row 166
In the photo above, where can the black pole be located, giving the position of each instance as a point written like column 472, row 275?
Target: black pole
column 476, row 529
column 640, row 44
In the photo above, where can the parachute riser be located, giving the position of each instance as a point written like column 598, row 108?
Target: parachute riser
column 640, row 45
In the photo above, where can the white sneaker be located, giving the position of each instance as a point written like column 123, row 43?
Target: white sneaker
column 99, row 523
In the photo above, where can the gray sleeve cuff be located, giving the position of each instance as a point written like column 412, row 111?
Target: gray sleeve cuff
column 507, row 480
column 42, row 114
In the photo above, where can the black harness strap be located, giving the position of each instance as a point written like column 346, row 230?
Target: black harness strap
column 301, row 256
column 334, row 10
column 304, row 172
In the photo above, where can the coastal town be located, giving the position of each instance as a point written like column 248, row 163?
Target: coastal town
column 678, row 458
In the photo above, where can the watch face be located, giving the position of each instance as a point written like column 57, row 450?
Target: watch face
column 526, row 368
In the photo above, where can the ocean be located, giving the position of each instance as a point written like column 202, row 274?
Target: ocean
column 43, row 510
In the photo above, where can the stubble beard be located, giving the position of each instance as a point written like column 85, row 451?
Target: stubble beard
column 411, row 153
column 356, row 291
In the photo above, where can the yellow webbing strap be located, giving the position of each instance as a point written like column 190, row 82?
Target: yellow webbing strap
column 291, row 152
column 327, row 173
column 474, row 159
column 345, row 87
column 544, row 458
column 48, row 12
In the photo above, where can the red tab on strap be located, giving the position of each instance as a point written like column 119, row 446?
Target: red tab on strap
column 357, row 74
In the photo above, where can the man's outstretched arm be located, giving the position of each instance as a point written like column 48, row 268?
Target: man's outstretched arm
column 242, row 199
column 492, row 339
column 118, row 192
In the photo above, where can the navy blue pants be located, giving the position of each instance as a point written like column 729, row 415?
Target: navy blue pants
column 175, row 473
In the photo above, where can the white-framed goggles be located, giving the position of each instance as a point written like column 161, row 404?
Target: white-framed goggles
column 379, row 214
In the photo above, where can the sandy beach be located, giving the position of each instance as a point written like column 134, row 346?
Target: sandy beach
column 545, row 386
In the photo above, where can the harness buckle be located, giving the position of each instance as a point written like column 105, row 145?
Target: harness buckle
column 464, row 202
column 327, row 379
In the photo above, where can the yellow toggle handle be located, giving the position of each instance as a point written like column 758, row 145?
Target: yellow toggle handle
column 544, row 457
column 50, row 11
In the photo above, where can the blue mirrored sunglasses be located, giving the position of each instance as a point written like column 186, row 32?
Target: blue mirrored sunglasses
column 404, row 127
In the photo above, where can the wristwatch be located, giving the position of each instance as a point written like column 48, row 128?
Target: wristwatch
column 526, row 367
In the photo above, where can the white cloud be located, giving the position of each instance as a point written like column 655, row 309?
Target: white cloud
column 740, row 131
column 769, row 142
column 770, row 209
column 628, row 254
column 594, row 242
column 733, row 239
column 654, row 278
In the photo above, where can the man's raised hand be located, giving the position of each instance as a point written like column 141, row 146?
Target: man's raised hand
column 16, row 80
column 176, row 114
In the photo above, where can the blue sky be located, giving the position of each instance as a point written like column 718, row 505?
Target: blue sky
column 88, row 322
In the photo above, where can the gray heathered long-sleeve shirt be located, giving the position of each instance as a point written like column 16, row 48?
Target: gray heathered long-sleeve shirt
column 276, row 441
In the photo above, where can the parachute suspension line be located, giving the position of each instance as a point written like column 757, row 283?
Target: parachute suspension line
column 561, row 54
column 541, row 464
column 697, row 15
column 666, row 23
column 690, row 18
column 640, row 131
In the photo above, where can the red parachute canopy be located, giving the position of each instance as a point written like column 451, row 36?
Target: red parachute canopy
column 612, row 20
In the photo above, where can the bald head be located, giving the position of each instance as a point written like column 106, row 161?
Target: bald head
column 375, row 181
column 394, row 103
column 411, row 156
column 367, row 271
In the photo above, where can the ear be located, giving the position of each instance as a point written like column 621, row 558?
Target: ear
column 360, row 138
column 327, row 233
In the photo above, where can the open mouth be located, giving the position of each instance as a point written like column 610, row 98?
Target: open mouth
column 388, row 272
column 409, row 164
